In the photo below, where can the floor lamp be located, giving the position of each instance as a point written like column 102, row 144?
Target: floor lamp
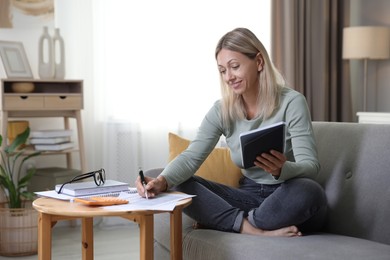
column 366, row 43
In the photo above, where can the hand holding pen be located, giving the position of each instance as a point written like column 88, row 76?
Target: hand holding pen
column 150, row 187
column 143, row 181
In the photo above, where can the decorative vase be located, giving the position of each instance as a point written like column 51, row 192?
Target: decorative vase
column 59, row 55
column 46, row 55
column 23, row 87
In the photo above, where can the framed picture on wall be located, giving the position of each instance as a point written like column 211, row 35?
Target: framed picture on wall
column 14, row 59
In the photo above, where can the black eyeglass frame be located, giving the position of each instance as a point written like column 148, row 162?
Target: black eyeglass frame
column 99, row 179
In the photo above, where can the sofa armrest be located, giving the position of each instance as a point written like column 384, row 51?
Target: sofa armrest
column 153, row 172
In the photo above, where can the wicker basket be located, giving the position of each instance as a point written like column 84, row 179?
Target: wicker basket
column 18, row 231
column 3, row 198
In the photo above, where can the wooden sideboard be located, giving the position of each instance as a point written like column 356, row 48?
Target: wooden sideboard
column 49, row 98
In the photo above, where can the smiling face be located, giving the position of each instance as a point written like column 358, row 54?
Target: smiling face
column 240, row 72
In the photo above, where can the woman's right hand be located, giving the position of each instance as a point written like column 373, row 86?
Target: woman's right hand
column 154, row 186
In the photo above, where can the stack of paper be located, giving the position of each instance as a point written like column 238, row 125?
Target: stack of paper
column 51, row 140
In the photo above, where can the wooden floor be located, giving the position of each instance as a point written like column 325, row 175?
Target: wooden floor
column 111, row 242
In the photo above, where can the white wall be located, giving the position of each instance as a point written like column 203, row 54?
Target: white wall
column 74, row 18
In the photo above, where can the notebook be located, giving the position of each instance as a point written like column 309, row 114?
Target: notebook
column 90, row 188
column 53, row 194
column 261, row 140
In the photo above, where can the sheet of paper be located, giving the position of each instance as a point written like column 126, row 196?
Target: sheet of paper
column 164, row 201
column 53, row 194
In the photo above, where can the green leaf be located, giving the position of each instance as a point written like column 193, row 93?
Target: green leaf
column 28, row 195
column 12, row 160
column 18, row 141
column 23, row 182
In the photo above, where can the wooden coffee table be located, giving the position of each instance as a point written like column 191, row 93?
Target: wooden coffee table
column 52, row 210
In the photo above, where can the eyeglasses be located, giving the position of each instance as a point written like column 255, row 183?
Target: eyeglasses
column 98, row 176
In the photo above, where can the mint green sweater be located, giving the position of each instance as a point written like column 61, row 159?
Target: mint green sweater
column 300, row 147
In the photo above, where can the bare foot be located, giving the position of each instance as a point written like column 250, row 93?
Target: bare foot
column 196, row 225
column 291, row 231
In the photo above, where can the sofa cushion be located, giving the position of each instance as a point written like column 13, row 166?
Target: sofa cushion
column 217, row 167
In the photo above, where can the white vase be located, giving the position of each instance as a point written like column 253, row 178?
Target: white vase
column 46, row 55
column 59, row 55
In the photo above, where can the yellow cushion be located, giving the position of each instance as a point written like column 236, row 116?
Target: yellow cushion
column 217, row 167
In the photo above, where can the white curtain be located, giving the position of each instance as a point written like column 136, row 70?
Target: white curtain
column 154, row 71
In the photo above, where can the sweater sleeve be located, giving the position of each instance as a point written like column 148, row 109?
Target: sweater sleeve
column 188, row 162
column 302, row 156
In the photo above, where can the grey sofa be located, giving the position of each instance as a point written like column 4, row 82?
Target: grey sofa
column 355, row 173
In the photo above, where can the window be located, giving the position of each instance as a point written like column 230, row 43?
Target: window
column 155, row 59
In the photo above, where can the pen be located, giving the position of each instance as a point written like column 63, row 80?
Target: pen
column 141, row 174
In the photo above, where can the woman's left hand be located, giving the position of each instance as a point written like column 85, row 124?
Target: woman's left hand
column 271, row 162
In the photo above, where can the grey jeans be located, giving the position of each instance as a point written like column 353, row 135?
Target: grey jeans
column 300, row 202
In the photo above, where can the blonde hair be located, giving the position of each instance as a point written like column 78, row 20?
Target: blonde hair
column 270, row 80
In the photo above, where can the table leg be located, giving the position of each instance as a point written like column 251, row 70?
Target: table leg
column 176, row 234
column 44, row 236
column 146, row 233
column 87, row 238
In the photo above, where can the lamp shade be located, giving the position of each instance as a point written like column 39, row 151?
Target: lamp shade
column 366, row 42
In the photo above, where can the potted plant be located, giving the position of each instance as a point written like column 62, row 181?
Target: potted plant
column 18, row 220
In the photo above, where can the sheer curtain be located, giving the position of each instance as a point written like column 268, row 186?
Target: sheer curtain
column 155, row 72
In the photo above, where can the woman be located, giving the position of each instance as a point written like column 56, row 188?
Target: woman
column 277, row 196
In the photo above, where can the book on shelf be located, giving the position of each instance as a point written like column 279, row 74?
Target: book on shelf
column 50, row 140
column 261, row 140
column 90, row 188
column 53, row 147
column 51, row 133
